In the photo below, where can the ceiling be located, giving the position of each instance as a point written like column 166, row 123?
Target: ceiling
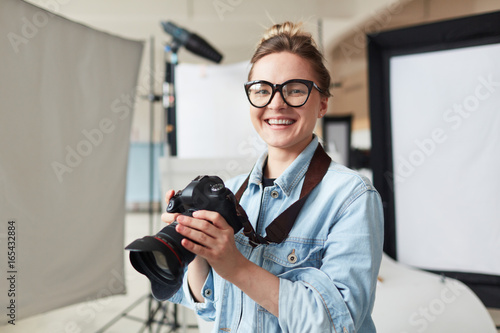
column 231, row 26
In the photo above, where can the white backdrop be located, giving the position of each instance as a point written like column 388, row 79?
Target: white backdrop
column 446, row 152
column 213, row 113
column 66, row 99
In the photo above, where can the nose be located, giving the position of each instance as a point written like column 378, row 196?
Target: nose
column 277, row 102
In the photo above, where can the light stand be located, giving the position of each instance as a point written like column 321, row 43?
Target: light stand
column 169, row 102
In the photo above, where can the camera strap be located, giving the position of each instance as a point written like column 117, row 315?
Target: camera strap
column 279, row 229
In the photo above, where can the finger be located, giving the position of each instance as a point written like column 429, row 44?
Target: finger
column 204, row 225
column 169, row 217
column 197, row 249
column 198, row 224
column 169, row 194
column 214, row 217
column 213, row 249
column 195, row 235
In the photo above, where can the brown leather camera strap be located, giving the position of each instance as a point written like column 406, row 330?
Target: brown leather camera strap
column 279, row 229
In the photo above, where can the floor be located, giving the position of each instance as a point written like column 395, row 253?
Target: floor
column 98, row 315
column 105, row 315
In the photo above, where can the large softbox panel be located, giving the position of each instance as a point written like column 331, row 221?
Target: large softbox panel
column 214, row 96
column 435, row 112
column 66, row 99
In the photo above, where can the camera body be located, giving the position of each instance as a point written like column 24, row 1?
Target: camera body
column 207, row 193
column 161, row 257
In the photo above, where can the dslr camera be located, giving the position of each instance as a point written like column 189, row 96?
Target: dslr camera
column 161, row 257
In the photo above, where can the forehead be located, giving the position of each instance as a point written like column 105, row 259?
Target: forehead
column 280, row 67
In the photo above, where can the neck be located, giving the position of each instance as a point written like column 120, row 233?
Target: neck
column 277, row 163
column 278, row 159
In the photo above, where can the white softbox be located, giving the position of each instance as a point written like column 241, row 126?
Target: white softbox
column 66, row 99
column 435, row 101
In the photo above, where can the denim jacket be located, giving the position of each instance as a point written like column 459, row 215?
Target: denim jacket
column 327, row 266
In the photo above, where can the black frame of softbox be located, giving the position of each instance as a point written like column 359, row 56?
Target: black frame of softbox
column 346, row 122
column 468, row 31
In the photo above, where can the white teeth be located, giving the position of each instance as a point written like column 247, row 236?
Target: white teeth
column 280, row 122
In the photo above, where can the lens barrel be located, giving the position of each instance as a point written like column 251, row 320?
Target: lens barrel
column 166, row 278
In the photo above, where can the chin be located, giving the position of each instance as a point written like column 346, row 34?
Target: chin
column 289, row 145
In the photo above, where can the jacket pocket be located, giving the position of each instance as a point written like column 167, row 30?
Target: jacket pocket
column 291, row 254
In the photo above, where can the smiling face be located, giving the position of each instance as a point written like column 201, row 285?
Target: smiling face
column 285, row 128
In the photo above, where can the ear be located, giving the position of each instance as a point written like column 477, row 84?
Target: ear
column 323, row 106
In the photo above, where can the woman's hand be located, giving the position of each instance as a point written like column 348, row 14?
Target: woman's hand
column 208, row 235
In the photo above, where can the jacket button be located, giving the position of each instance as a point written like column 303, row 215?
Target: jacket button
column 274, row 194
column 292, row 258
column 207, row 293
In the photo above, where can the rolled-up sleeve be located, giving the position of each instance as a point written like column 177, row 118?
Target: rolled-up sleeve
column 205, row 310
column 338, row 296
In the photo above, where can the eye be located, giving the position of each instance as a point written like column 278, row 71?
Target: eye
column 260, row 89
column 295, row 89
column 261, row 92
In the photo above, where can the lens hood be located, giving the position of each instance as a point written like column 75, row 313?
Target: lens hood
column 164, row 284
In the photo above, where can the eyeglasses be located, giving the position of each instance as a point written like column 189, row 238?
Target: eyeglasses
column 295, row 92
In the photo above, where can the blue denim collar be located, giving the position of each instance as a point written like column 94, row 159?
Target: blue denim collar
column 292, row 176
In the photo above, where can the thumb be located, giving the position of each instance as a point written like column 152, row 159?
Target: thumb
column 169, row 195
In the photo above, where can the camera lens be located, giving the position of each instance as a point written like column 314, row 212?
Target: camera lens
column 162, row 259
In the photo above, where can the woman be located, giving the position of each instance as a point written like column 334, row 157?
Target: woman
column 320, row 275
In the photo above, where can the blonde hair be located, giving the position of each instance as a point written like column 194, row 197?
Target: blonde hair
column 289, row 37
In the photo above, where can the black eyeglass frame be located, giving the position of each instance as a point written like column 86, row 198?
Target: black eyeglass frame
column 278, row 87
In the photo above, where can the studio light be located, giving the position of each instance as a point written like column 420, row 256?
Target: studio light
column 192, row 42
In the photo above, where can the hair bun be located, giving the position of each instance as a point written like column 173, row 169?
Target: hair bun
column 286, row 28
